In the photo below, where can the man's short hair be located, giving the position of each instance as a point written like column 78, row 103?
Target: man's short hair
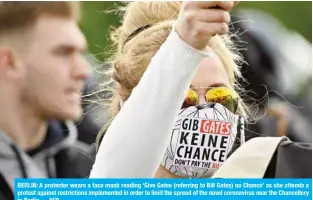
column 19, row 15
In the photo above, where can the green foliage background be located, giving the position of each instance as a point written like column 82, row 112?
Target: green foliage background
column 96, row 23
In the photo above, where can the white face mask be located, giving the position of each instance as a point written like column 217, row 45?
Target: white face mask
column 202, row 138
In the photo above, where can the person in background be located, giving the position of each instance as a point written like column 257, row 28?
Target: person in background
column 42, row 72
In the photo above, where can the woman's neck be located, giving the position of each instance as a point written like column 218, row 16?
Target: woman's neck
column 24, row 126
column 164, row 173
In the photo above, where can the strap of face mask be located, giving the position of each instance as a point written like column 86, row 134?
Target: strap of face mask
column 241, row 137
column 241, row 127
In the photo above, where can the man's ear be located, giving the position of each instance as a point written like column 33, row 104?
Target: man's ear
column 8, row 64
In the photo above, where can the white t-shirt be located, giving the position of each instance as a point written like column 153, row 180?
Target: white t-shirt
column 135, row 142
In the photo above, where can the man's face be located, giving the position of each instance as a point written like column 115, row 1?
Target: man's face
column 55, row 68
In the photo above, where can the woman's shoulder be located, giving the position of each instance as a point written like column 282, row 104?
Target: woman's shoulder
column 269, row 157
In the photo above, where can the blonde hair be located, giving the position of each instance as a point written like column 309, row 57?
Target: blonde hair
column 133, row 53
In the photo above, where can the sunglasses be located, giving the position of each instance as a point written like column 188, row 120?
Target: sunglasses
column 223, row 95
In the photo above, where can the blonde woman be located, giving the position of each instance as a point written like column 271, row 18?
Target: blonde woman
column 166, row 50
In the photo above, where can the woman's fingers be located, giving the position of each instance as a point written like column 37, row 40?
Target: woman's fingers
column 199, row 21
